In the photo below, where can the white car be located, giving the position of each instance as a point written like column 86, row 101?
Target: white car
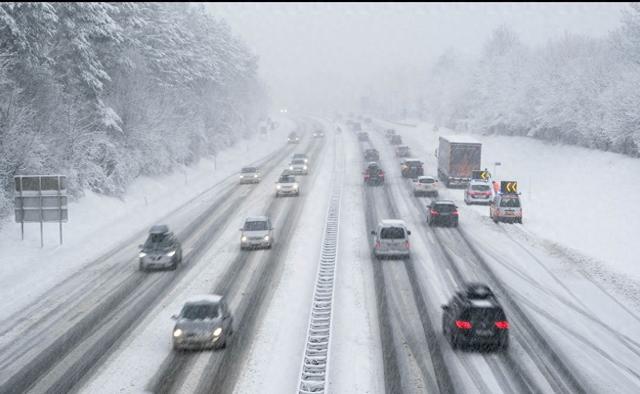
column 287, row 186
column 256, row 232
column 391, row 239
column 478, row 192
column 299, row 167
column 250, row 175
column 425, row 186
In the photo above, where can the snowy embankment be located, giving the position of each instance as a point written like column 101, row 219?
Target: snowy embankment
column 97, row 223
column 577, row 202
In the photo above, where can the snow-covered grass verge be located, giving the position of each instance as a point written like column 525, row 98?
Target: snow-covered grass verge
column 97, row 223
column 576, row 201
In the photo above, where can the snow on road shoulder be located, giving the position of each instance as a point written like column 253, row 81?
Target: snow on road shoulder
column 356, row 353
column 97, row 223
column 273, row 362
column 577, row 202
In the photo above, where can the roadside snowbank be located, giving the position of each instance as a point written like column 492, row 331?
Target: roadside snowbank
column 579, row 201
column 97, row 223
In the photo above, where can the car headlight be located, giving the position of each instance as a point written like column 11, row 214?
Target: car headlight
column 177, row 332
column 266, row 237
column 295, row 186
column 217, row 332
column 241, row 176
column 244, row 238
column 255, row 175
column 278, row 187
column 291, row 167
column 306, row 160
column 305, row 167
column 141, row 254
column 172, row 253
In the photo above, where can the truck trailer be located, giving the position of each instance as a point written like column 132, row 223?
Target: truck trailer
column 457, row 158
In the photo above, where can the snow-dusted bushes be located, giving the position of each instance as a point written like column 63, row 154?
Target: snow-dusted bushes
column 105, row 92
column 574, row 90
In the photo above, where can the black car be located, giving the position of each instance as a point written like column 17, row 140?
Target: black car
column 474, row 317
column 371, row 155
column 396, row 140
column 373, row 174
column 411, row 168
column 363, row 136
column 442, row 212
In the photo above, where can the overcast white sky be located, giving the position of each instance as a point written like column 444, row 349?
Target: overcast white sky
column 330, row 53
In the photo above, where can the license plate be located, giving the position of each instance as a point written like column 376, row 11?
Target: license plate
column 483, row 333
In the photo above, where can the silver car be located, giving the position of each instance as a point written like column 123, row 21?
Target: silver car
column 256, row 232
column 391, row 239
column 425, row 186
column 287, row 186
column 250, row 175
column 204, row 322
column 299, row 167
column 161, row 249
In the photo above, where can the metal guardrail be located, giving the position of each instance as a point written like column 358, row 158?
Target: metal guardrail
column 315, row 363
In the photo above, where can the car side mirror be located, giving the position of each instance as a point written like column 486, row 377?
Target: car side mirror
column 408, row 232
column 445, row 307
column 174, row 317
column 373, row 232
column 140, row 246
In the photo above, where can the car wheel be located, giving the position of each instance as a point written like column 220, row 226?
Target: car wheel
column 174, row 265
column 142, row 267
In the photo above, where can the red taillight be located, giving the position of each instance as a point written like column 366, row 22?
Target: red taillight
column 464, row 325
column 503, row 325
column 454, row 213
column 377, row 246
column 406, row 244
column 434, row 213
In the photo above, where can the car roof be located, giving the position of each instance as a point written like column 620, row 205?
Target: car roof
column 412, row 159
column 256, row 219
column 299, row 154
column 426, row 177
column 159, row 229
column 204, row 299
column 402, row 146
column 479, row 181
column 447, row 202
column 392, row 222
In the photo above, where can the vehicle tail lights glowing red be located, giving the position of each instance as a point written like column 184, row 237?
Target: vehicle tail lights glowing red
column 503, row 325
column 464, row 325
column 434, row 212
column 454, row 213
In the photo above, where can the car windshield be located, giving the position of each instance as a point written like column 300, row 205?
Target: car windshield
column 413, row 163
column 480, row 188
column 510, row 202
column 287, row 179
column 249, row 169
column 255, row 226
column 158, row 241
column 392, row 233
column 445, row 207
column 199, row 311
column 298, row 161
column 427, row 180
column 299, row 156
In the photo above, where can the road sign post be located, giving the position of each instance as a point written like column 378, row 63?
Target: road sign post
column 41, row 199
